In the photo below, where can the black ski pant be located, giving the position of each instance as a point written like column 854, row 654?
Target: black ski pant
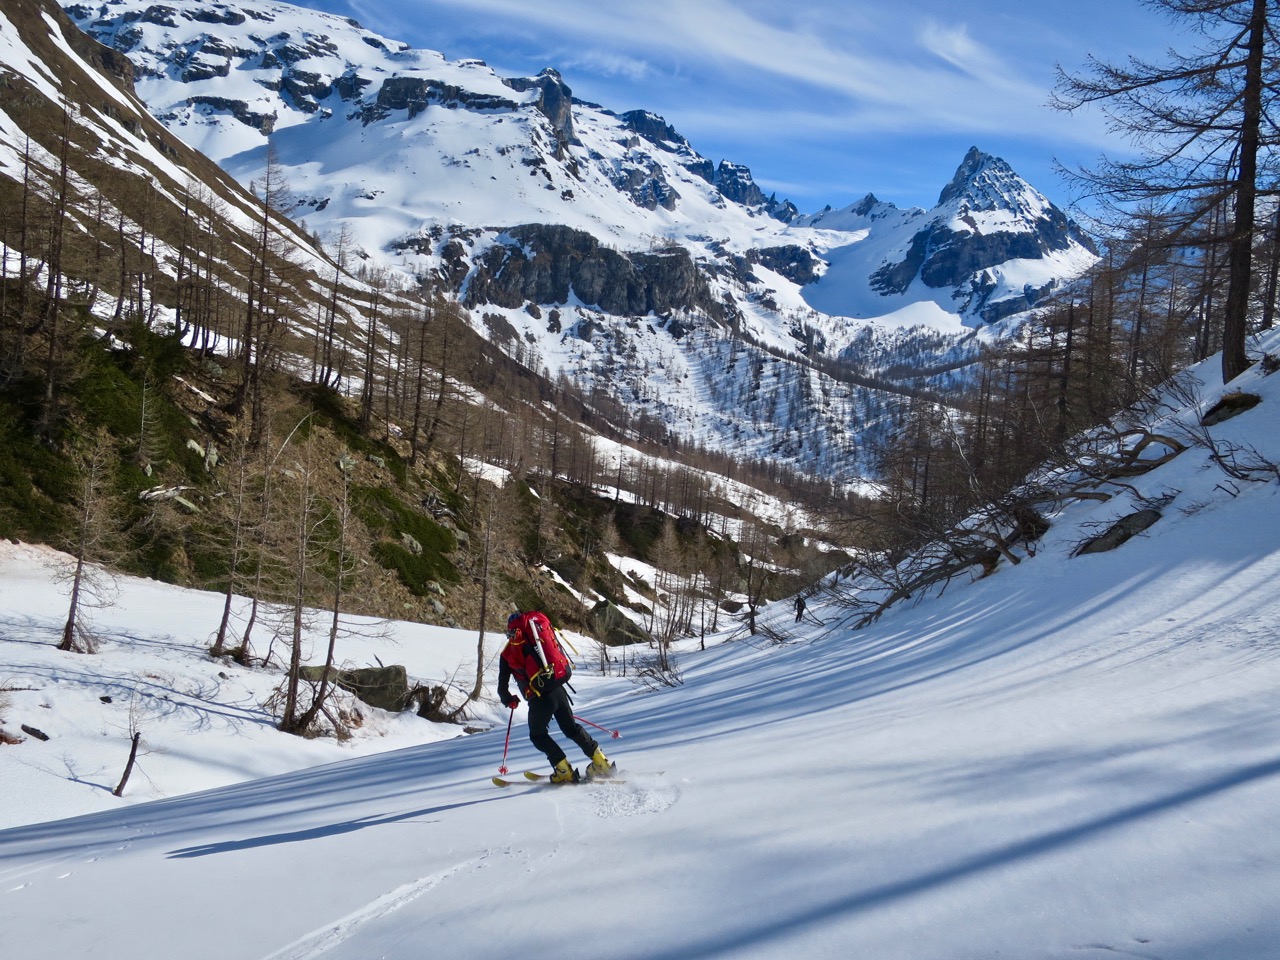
column 556, row 703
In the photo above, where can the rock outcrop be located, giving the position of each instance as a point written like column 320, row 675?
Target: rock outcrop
column 554, row 101
column 612, row 627
column 546, row 264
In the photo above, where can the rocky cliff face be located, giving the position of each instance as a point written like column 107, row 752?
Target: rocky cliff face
column 545, row 264
column 407, row 95
column 735, row 182
column 554, row 100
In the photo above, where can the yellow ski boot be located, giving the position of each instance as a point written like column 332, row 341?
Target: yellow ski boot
column 601, row 767
column 563, row 773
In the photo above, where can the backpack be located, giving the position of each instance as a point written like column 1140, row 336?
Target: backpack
column 534, row 626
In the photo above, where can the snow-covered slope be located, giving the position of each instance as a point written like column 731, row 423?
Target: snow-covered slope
column 202, row 721
column 587, row 242
column 1072, row 757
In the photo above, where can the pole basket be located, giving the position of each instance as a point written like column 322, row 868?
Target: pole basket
column 615, row 734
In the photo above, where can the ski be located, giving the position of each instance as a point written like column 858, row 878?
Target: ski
column 542, row 778
column 583, row 778
column 530, row 777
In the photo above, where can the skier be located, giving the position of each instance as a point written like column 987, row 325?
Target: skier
column 799, row 607
column 534, row 658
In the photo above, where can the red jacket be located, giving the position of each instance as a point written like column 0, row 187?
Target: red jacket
column 519, row 661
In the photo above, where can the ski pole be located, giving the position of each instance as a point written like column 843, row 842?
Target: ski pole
column 613, row 733
column 511, row 715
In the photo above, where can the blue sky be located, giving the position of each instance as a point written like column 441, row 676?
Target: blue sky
column 825, row 100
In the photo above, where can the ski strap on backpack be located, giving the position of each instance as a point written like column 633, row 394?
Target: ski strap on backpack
column 565, row 640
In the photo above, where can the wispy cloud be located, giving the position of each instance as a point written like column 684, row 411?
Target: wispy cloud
column 881, row 69
column 607, row 63
column 952, row 43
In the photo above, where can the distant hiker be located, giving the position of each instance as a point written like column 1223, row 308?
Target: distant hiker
column 799, row 607
column 541, row 669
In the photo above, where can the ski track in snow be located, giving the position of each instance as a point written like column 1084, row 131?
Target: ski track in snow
column 331, row 935
column 632, row 799
column 634, row 795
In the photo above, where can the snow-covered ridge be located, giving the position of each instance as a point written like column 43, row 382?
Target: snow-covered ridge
column 226, row 75
column 116, row 147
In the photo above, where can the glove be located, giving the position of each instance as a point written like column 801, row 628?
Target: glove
column 511, row 702
column 541, row 681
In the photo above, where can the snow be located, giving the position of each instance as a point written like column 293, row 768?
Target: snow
column 1075, row 757
column 159, row 681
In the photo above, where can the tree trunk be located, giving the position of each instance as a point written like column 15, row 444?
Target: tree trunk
column 73, row 611
column 128, row 767
column 1240, row 249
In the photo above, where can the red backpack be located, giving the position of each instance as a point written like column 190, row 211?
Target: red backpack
column 534, row 626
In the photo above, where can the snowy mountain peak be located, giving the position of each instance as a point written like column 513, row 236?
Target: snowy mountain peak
column 985, row 182
column 856, row 216
column 992, row 247
column 554, row 100
column 870, row 205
